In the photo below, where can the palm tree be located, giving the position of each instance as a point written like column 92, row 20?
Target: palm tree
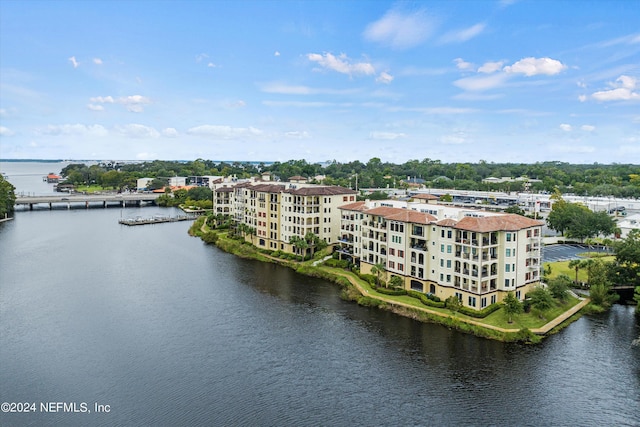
column 576, row 264
column 379, row 270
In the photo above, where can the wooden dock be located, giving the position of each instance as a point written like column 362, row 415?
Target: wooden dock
column 155, row 220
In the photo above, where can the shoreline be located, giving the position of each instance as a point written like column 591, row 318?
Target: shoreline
column 352, row 290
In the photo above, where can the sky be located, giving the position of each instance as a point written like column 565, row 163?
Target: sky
column 456, row 81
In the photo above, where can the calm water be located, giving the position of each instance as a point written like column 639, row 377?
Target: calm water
column 169, row 331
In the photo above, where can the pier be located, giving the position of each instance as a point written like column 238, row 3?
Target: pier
column 87, row 200
column 155, row 220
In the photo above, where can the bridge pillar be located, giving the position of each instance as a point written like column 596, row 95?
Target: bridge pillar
column 30, row 206
column 123, row 204
column 68, row 205
column 86, row 204
column 50, row 206
column 104, row 204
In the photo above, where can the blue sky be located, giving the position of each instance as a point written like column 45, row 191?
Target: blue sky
column 456, row 81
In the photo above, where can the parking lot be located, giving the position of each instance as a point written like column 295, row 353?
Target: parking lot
column 553, row 253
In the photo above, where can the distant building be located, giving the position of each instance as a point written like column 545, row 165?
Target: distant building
column 52, row 178
column 280, row 211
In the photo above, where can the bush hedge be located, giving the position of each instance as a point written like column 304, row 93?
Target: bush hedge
column 479, row 314
column 429, row 300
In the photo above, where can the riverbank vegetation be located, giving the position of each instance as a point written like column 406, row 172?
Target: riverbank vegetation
column 505, row 322
column 7, row 198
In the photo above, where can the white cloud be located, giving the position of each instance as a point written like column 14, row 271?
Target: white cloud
column 170, row 132
column 588, row 128
column 401, row 30
column 297, row 134
column 463, row 35
column 138, row 131
column 223, row 132
column 276, row 53
column 385, row 78
column 480, row 83
column 463, row 65
column 75, row 129
column 565, row 127
column 236, row 104
column 4, row 131
column 490, row 67
column 387, row 135
column 133, row 103
column 102, row 99
column 624, row 87
column 572, row 148
column 74, row 62
column 202, row 56
column 211, row 65
column 533, row 66
column 582, row 98
column 454, row 139
column 95, row 107
column 97, row 61
column 283, row 88
column 341, row 64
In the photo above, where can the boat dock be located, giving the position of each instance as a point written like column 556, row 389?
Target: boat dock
column 155, row 220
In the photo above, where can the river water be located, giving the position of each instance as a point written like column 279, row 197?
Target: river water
column 168, row 331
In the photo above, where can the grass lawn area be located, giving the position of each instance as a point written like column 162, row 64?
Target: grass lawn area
column 90, row 189
column 528, row 320
column 562, row 267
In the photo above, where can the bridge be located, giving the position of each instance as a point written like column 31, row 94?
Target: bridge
column 88, row 200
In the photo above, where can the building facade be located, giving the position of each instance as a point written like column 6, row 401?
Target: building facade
column 477, row 256
column 276, row 212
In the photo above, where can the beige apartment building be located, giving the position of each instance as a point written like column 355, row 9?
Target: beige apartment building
column 475, row 255
column 279, row 211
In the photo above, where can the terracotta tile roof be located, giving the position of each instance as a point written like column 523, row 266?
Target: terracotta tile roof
column 224, row 190
column 412, row 217
column 447, row 222
column 268, row 188
column 425, row 197
column 506, row 222
column 357, row 206
column 331, row 190
column 383, row 211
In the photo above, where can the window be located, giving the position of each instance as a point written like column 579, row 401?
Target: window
column 442, row 263
column 400, row 253
column 506, row 282
column 392, row 251
column 493, row 299
column 459, row 296
column 507, row 268
column 441, row 277
column 472, row 301
column 400, row 267
column 392, row 264
column 483, row 302
column 508, row 252
column 448, row 263
column 448, row 278
column 449, row 234
column 448, row 249
column 518, row 294
column 508, row 237
column 442, row 248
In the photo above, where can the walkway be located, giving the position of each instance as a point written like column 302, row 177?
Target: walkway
column 538, row 331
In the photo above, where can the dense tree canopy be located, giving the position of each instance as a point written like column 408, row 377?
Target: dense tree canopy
column 577, row 221
column 616, row 180
column 7, row 197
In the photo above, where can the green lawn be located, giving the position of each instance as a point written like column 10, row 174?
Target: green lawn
column 562, row 267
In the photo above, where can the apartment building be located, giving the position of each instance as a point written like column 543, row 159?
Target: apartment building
column 475, row 255
column 279, row 211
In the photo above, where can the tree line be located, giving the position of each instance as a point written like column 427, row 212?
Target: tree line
column 618, row 180
column 7, row 197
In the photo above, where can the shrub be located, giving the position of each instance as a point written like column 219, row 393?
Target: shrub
column 387, row 291
column 210, row 237
column 479, row 314
column 427, row 299
column 337, row 263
